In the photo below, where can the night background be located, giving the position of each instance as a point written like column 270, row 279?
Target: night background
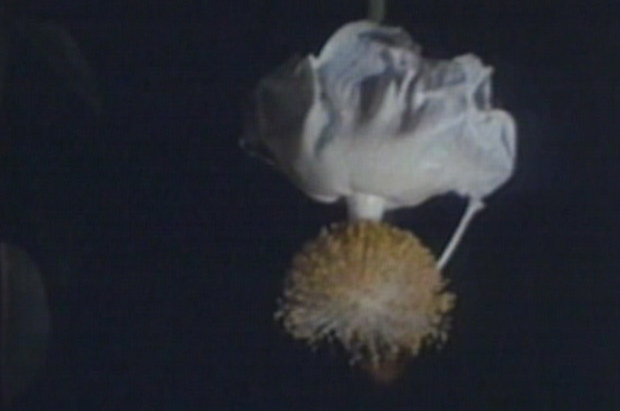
column 163, row 246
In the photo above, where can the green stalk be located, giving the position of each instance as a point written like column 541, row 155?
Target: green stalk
column 376, row 10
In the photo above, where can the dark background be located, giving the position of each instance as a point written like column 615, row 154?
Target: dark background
column 164, row 246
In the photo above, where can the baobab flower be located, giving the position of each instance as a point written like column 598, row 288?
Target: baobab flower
column 373, row 123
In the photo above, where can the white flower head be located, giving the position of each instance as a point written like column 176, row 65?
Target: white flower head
column 373, row 122
column 371, row 117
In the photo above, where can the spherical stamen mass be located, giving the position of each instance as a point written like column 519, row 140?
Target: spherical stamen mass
column 372, row 287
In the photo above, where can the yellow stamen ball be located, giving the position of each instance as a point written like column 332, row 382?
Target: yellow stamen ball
column 371, row 286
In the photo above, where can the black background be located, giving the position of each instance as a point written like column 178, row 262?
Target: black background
column 164, row 246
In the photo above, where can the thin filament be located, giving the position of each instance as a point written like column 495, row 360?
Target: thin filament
column 473, row 207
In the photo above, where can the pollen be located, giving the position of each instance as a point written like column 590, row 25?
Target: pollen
column 370, row 286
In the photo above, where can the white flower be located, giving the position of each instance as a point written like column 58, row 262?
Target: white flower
column 373, row 122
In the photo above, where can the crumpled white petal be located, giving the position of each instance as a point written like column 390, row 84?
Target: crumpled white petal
column 373, row 122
